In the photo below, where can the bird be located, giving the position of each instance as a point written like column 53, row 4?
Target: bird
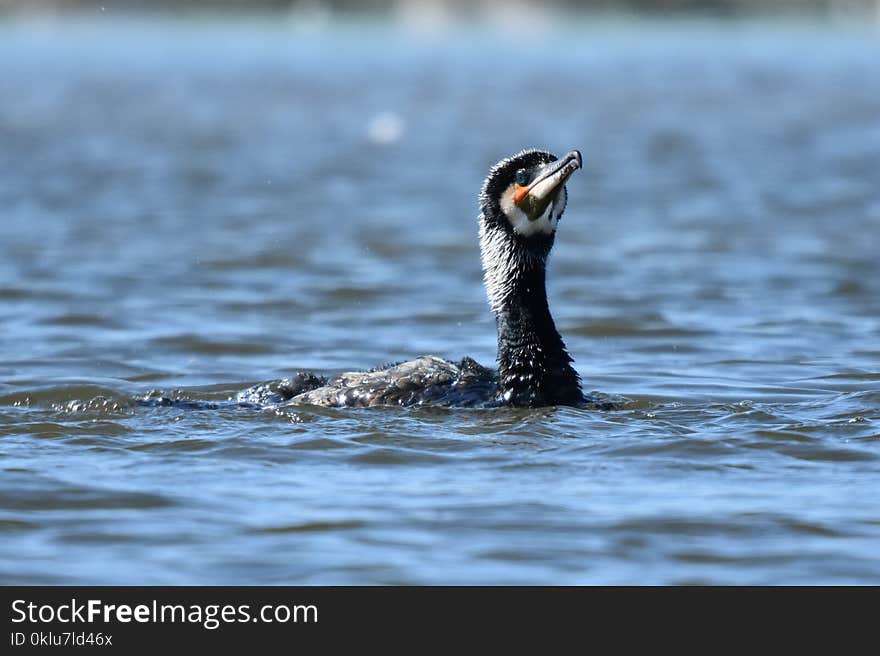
column 521, row 203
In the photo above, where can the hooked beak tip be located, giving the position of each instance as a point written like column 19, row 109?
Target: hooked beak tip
column 572, row 157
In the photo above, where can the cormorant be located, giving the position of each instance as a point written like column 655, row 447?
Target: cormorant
column 521, row 202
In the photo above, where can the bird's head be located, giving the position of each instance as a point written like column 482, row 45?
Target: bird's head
column 525, row 195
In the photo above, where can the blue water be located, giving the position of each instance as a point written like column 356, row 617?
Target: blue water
column 191, row 207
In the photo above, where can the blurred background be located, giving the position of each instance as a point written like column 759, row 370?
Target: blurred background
column 433, row 10
column 447, row 14
column 200, row 196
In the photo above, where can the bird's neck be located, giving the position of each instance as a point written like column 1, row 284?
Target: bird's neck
column 534, row 368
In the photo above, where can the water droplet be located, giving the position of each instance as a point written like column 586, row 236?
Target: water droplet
column 385, row 128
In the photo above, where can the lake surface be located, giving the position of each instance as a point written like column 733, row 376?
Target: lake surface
column 190, row 208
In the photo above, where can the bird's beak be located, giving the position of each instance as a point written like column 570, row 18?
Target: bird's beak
column 548, row 182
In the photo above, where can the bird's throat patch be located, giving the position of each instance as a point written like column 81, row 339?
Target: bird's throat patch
column 530, row 216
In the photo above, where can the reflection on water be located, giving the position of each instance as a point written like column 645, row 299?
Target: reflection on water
column 189, row 209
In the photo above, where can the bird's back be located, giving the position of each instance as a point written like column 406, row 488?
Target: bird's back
column 427, row 380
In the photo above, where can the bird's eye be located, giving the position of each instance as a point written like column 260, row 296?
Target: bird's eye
column 522, row 178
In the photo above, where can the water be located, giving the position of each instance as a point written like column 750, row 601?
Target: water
column 191, row 208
